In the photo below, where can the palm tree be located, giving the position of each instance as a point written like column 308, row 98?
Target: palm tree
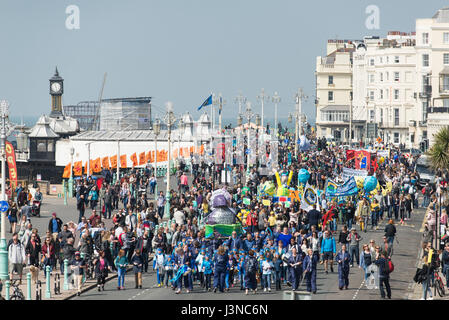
column 439, row 153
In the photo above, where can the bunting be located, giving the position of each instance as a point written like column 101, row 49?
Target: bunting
column 142, row 158
column 114, row 162
column 105, row 163
column 123, row 163
column 96, row 165
column 134, row 159
column 78, row 168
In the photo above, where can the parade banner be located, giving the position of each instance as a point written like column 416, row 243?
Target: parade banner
column 96, row 165
column 362, row 159
column 105, row 163
column 142, row 158
column 348, row 173
column 246, row 201
column 266, row 202
column 12, row 167
column 67, row 170
column 123, row 163
column 348, row 188
column 134, row 159
column 114, row 162
column 309, row 198
column 78, row 168
column 383, row 153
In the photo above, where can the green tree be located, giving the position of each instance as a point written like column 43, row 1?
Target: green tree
column 439, row 152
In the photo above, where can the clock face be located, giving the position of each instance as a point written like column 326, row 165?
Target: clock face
column 55, row 87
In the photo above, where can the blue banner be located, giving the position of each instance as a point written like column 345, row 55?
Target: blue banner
column 348, row 188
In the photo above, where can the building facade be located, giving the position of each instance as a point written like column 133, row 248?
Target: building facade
column 432, row 49
column 334, row 90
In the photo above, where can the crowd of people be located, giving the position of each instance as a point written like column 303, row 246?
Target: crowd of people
column 280, row 247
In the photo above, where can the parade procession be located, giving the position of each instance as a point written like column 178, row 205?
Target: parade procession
column 337, row 192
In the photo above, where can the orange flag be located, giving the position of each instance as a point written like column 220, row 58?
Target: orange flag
column 78, row 168
column 105, row 163
column 114, row 162
column 134, row 159
column 142, row 158
column 67, row 170
column 202, row 149
column 96, row 165
column 123, row 161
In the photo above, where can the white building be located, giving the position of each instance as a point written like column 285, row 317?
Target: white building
column 432, row 50
column 334, row 90
column 384, row 86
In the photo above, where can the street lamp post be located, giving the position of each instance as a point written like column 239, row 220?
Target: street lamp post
column 262, row 97
column 157, row 131
column 169, row 120
column 249, row 115
column 276, row 99
column 4, row 109
column 72, row 152
column 240, row 99
column 257, row 141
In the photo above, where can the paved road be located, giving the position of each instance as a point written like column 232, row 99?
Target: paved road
column 404, row 258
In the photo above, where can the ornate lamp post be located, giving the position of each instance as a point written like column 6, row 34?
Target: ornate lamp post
column 169, row 120
column 4, row 110
column 156, row 131
column 72, row 152
column 276, row 99
column 257, row 140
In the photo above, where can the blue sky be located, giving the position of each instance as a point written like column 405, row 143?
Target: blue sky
column 180, row 50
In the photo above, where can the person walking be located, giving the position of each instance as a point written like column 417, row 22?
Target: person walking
column 353, row 241
column 295, row 265
column 384, row 275
column 344, row 260
column 220, row 262
column 101, row 270
column 137, row 262
column 309, row 265
column 121, row 262
column 328, row 250
column 16, row 257
column 250, row 272
column 78, row 266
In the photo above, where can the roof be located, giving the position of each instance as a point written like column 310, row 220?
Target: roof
column 442, row 15
column 66, row 125
column 42, row 129
column 130, row 135
column 336, row 108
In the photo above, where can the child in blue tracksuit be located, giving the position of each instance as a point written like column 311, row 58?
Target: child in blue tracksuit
column 159, row 266
column 198, row 261
column 169, row 266
column 230, row 267
column 241, row 268
column 207, row 268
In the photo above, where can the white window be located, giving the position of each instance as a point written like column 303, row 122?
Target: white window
column 371, row 115
column 371, row 95
column 446, row 58
column 396, row 76
column 371, row 62
column 381, row 93
column 381, row 60
column 387, row 93
column 396, row 94
column 381, row 77
column 331, row 80
column 388, row 59
column 371, row 78
column 330, row 96
column 425, row 38
column 425, row 60
column 445, row 83
column 396, row 59
column 446, row 37
column 388, row 75
column 396, row 117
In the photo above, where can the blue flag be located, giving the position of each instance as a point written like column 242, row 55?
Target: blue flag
column 207, row 102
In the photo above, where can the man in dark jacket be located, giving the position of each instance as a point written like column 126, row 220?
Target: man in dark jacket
column 68, row 251
column 313, row 217
column 384, row 275
column 64, row 235
column 234, row 242
column 54, row 226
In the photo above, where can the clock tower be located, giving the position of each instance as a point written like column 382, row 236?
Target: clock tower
column 56, row 91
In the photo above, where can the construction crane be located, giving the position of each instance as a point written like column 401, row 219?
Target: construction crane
column 94, row 123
